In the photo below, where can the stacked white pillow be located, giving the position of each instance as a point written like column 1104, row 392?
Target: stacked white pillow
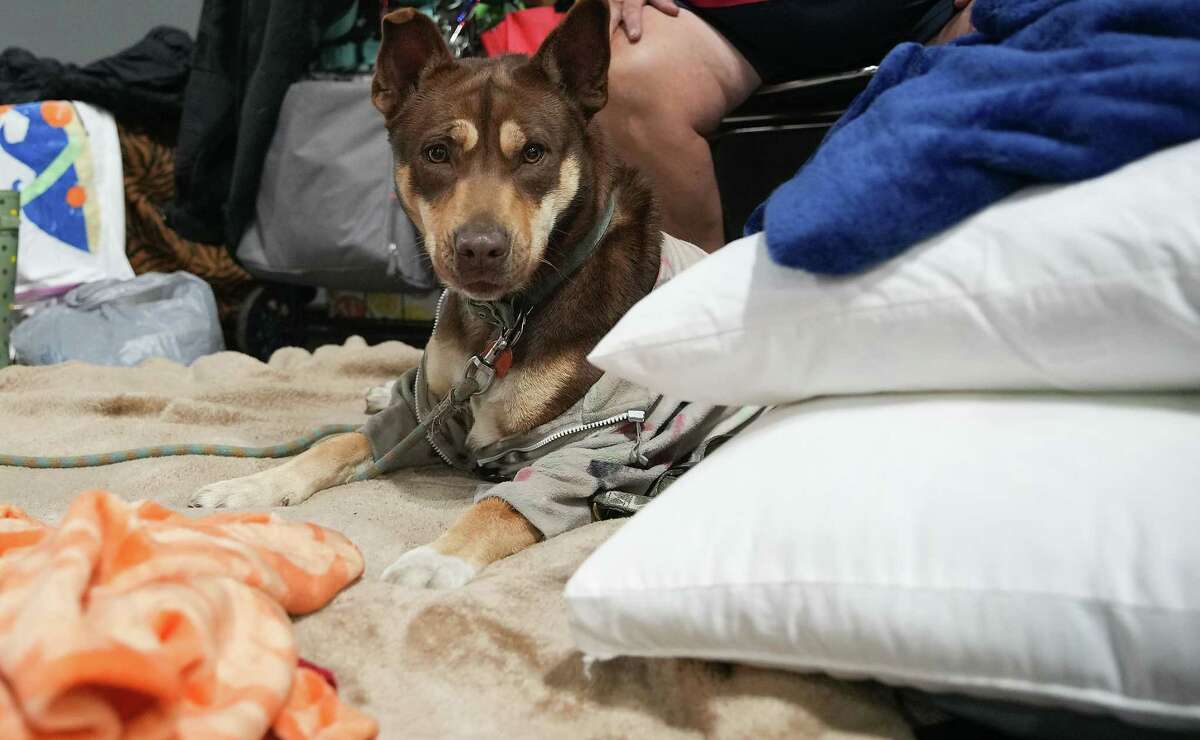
column 1088, row 286
column 1037, row 546
column 1028, row 547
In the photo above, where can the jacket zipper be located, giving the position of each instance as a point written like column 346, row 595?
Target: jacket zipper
column 637, row 416
column 437, row 314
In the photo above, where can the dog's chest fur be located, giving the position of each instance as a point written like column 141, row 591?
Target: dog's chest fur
column 540, row 385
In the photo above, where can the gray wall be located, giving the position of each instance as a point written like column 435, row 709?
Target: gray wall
column 82, row 31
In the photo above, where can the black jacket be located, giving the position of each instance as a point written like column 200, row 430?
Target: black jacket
column 247, row 54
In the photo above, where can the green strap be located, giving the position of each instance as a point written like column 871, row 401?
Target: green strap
column 457, row 397
column 533, row 297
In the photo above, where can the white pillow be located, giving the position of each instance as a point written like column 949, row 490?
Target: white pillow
column 1093, row 285
column 1031, row 547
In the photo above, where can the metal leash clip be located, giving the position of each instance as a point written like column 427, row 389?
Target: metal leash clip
column 480, row 372
column 481, row 368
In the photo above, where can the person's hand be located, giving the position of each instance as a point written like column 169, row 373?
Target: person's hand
column 628, row 13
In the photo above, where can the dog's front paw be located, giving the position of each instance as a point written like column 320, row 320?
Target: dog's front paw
column 425, row 567
column 248, row 492
column 379, row 397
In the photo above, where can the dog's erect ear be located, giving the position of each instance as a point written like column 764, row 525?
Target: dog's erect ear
column 411, row 43
column 575, row 55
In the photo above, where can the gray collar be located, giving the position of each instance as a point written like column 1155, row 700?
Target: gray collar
column 506, row 313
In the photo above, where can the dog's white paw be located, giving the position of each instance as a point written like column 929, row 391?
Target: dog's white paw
column 379, row 397
column 249, row 492
column 425, row 567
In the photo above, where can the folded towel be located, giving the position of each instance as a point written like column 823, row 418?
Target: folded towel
column 1046, row 91
column 131, row 621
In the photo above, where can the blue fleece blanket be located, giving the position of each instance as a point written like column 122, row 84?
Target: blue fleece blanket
column 1046, row 91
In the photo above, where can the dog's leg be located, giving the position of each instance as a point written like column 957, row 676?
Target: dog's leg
column 328, row 464
column 490, row 530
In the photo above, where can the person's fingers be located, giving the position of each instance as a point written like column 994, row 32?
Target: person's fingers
column 960, row 4
column 614, row 16
column 666, row 6
column 631, row 16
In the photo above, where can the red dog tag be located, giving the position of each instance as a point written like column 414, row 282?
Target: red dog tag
column 503, row 363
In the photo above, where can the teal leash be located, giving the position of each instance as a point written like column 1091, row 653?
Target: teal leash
column 286, row 449
column 458, row 396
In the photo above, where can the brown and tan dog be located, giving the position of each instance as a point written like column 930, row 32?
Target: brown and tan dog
column 496, row 164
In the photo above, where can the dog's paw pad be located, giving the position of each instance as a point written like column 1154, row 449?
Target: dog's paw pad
column 239, row 493
column 425, row 567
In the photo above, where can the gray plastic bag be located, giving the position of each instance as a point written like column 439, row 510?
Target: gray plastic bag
column 123, row 322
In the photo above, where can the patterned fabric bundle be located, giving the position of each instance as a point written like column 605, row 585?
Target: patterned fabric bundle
column 131, row 621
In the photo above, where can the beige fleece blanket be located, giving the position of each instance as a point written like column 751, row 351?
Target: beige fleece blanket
column 493, row 659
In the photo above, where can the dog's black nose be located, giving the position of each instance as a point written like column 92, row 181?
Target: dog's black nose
column 480, row 246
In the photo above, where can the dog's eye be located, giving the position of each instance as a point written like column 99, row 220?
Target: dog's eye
column 533, row 153
column 437, row 153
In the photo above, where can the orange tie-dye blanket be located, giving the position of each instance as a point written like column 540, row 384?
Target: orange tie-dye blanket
column 132, row 621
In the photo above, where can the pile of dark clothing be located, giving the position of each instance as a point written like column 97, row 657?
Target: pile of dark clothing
column 143, row 86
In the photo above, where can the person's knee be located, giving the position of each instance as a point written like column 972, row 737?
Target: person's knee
column 635, row 118
column 636, row 82
column 681, row 76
